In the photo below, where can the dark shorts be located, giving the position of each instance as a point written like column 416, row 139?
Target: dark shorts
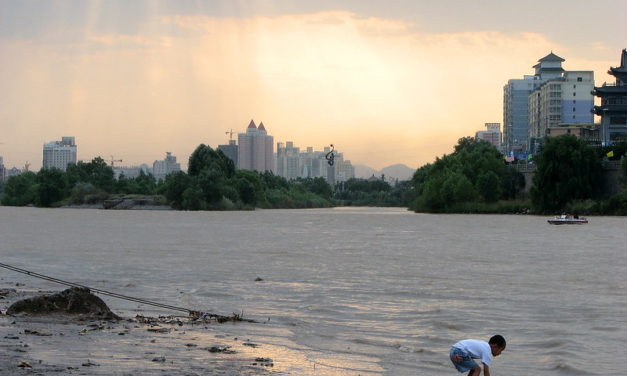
column 466, row 364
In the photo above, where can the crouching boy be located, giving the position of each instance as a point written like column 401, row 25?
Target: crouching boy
column 463, row 352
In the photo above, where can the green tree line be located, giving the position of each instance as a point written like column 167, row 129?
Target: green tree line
column 475, row 173
column 475, row 178
column 211, row 183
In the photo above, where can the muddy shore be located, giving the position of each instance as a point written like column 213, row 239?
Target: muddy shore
column 64, row 345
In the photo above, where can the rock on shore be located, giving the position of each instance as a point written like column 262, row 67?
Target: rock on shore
column 73, row 301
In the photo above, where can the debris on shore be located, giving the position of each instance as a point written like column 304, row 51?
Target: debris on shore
column 36, row 327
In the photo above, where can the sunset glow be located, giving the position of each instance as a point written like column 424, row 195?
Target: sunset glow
column 383, row 89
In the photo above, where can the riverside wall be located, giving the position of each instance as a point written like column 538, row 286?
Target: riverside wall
column 611, row 177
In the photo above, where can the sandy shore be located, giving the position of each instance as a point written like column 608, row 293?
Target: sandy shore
column 62, row 345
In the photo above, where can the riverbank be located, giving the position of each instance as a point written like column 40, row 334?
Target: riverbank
column 54, row 345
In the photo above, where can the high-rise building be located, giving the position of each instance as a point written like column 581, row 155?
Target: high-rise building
column 293, row 163
column 562, row 100
column 161, row 169
column 288, row 161
column 231, row 151
column 492, row 134
column 3, row 171
column 131, row 172
column 613, row 108
column 516, row 101
column 256, row 149
column 58, row 154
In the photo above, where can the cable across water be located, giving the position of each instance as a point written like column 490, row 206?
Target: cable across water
column 190, row 312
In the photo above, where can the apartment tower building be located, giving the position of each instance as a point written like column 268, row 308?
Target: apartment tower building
column 169, row 165
column 58, row 154
column 256, row 149
column 516, row 101
column 562, row 100
column 492, row 134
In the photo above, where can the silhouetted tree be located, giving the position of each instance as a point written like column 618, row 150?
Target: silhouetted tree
column 51, row 186
column 19, row 190
column 567, row 169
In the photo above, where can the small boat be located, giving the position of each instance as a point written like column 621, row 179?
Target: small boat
column 566, row 219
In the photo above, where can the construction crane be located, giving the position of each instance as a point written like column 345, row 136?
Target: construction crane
column 230, row 133
column 113, row 160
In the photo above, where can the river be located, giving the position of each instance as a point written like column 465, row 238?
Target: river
column 354, row 291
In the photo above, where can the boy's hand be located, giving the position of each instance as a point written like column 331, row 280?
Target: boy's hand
column 457, row 358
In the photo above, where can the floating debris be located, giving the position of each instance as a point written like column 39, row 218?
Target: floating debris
column 221, row 349
column 159, row 330
column 89, row 363
column 24, row 364
column 38, row 332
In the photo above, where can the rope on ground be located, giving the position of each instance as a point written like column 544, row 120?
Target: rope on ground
column 191, row 313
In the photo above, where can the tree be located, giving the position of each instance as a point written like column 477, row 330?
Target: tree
column 86, row 193
column 212, row 184
column 445, row 189
column 318, row 186
column 174, row 186
column 146, row 184
column 193, row 198
column 251, row 188
column 567, row 170
column 205, row 158
column 19, row 190
column 512, row 182
column 96, row 172
column 474, row 171
column 51, row 186
column 488, row 185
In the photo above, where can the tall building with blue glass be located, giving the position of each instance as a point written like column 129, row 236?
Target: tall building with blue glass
column 516, row 101
column 552, row 97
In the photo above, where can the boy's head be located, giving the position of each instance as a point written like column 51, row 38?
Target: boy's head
column 497, row 344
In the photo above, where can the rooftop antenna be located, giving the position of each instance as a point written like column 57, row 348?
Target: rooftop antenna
column 230, row 133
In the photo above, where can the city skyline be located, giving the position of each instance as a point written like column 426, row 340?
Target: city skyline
column 389, row 83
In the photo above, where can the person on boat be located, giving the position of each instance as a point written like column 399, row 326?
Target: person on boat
column 463, row 352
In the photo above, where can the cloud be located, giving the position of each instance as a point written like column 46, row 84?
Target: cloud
column 380, row 91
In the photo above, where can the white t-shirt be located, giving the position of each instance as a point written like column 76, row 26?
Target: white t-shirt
column 477, row 349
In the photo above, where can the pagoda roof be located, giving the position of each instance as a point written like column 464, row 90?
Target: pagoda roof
column 622, row 69
column 261, row 127
column 252, row 125
column 551, row 57
column 610, row 109
column 610, row 89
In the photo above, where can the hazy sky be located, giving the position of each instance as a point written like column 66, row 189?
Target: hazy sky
column 386, row 82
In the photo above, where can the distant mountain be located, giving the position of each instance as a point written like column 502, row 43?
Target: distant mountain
column 364, row 172
column 398, row 171
column 393, row 172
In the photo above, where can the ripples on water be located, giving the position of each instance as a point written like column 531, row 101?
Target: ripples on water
column 358, row 290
